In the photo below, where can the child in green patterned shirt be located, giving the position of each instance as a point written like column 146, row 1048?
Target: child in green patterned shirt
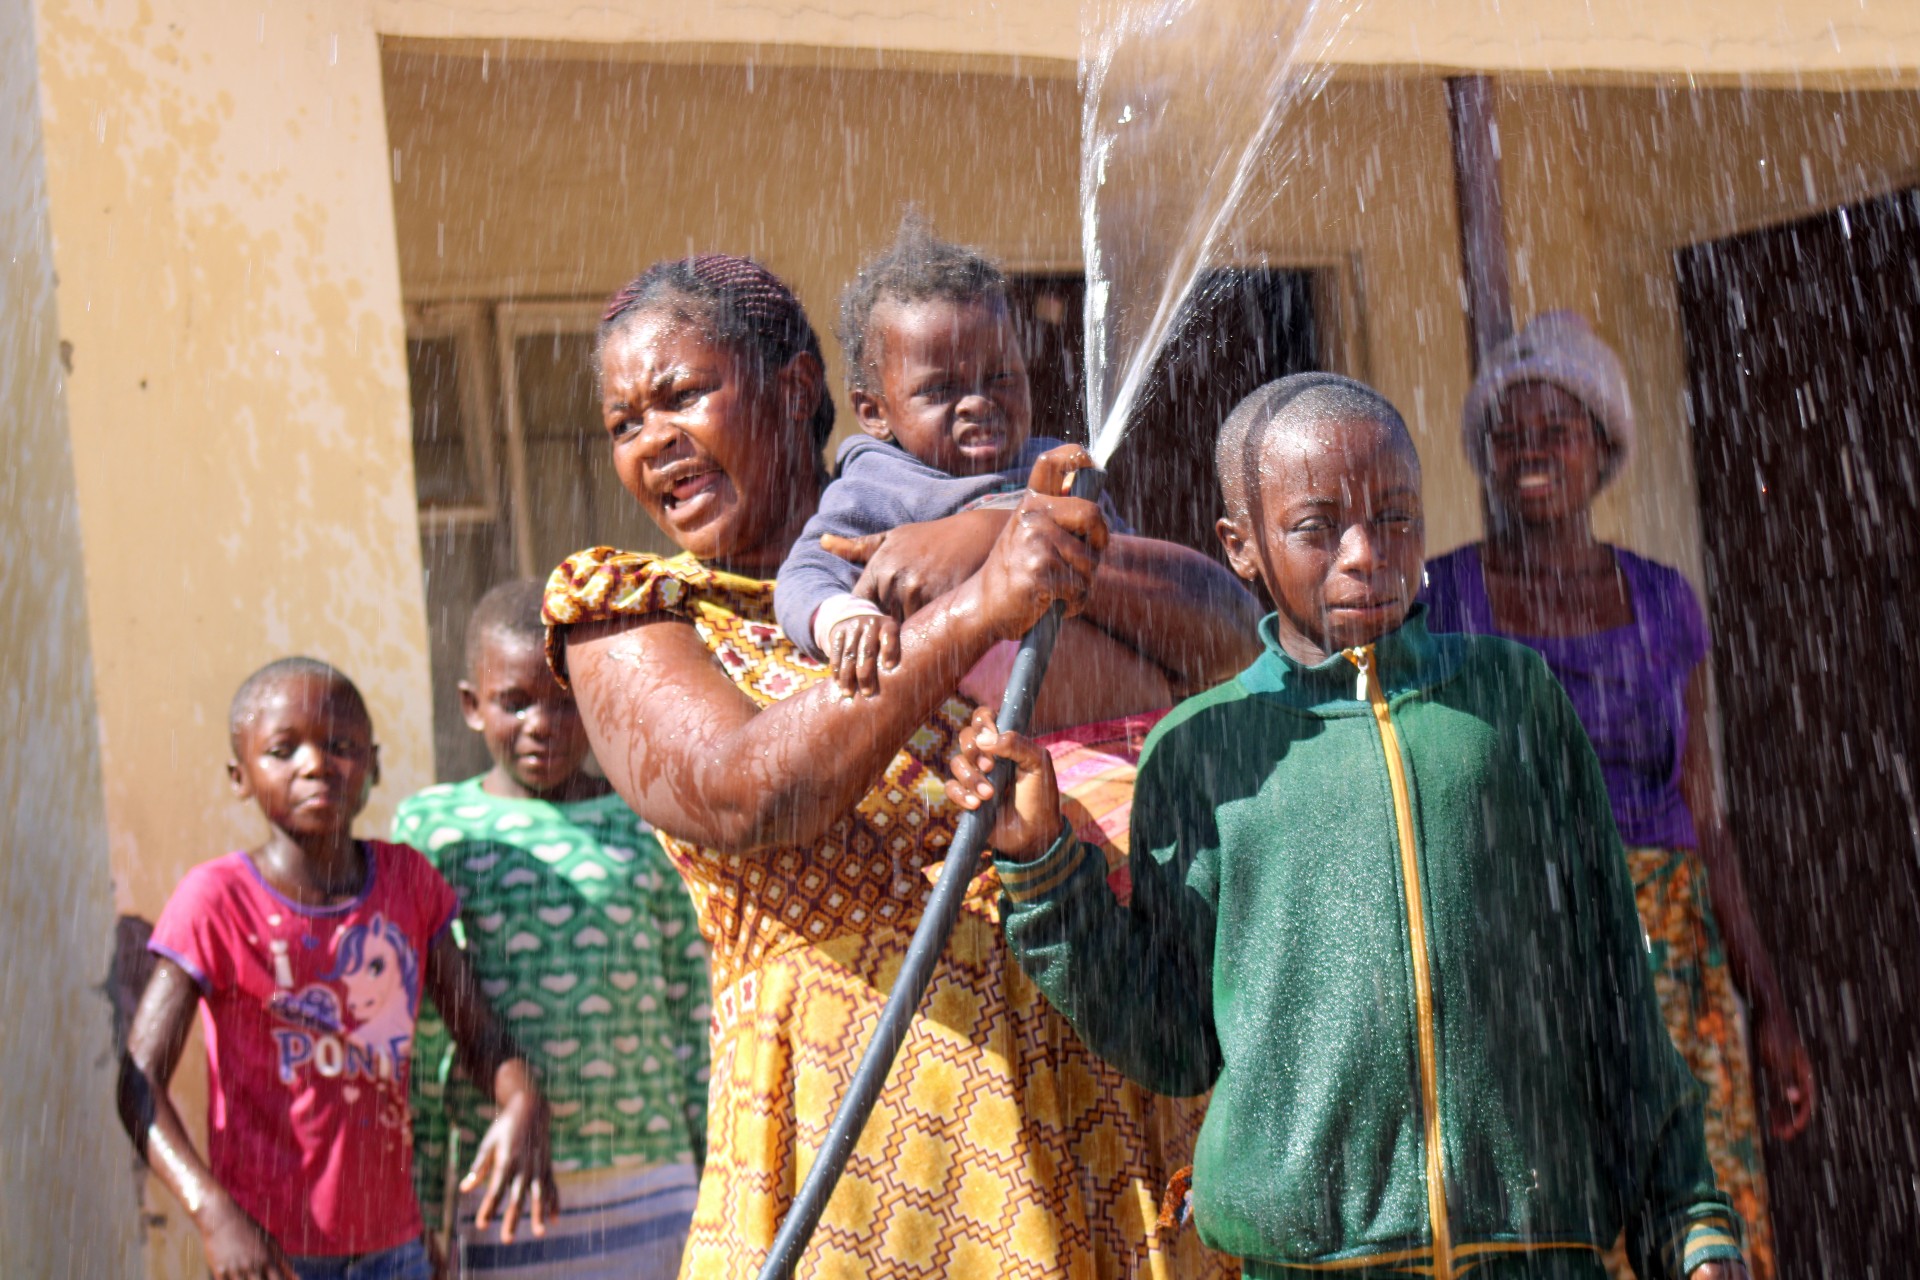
column 583, row 936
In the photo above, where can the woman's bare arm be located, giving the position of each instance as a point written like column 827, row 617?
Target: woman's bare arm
column 1789, row 1071
column 695, row 757
column 1180, row 610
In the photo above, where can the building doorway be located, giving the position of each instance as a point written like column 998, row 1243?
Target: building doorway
column 1243, row 326
column 1805, row 400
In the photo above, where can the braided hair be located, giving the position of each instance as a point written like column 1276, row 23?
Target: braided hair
column 745, row 306
column 916, row 267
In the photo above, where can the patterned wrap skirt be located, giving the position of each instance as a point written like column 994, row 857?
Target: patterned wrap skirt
column 1708, row 1026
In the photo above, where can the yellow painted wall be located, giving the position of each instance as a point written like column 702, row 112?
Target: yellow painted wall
column 231, row 226
column 1603, row 184
column 67, row 1205
column 1842, row 39
column 223, row 235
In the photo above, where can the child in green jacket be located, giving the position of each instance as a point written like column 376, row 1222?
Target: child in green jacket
column 1379, row 907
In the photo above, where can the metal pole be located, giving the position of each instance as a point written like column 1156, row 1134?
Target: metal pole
column 1483, row 230
column 924, row 951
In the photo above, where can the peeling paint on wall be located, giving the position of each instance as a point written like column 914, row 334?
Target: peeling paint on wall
column 223, row 232
column 67, row 1180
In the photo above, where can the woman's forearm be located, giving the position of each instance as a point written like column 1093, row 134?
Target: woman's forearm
column 718, row 771
column 1747, row 955
column 1177, row 608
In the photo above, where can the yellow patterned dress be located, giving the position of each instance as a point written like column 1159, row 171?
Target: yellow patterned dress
column 1000, row 1147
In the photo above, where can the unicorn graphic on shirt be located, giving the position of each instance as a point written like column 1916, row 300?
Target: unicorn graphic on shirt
column 376, row 964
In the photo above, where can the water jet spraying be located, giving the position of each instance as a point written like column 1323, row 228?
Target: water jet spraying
column 1155, row 124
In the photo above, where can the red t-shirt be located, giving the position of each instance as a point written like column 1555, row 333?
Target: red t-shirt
column 308, row 1013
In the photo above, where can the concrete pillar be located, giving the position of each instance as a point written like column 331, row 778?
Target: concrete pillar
column 67, row 1177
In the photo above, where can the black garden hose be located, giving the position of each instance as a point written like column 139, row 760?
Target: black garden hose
column 929, row 941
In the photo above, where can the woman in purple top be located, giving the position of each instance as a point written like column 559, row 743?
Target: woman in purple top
column 1548, row 424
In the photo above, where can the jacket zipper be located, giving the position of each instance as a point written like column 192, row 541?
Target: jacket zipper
column 1369, row 691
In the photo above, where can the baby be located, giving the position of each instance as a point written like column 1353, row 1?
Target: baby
column 939, row 386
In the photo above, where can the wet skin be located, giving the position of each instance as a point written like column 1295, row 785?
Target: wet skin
column 530, row 724
column 1332, row 523
column 685, row 417
column 950, row 384
column 303, row 752
column 951, row 388
column 1548, row 575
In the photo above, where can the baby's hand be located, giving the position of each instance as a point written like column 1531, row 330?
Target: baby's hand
column 1030, row 822
column 860, row 648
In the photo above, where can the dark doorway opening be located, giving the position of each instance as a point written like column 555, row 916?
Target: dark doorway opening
column 1806, row 433
column 1243, row 326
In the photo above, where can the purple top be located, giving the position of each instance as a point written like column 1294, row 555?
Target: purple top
column 1628, row 685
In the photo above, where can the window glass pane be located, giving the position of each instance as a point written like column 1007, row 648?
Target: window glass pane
column 441, row 473
column 460, row 563
column 574, row 497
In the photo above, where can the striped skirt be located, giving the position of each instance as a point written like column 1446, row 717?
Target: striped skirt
column 614, row 1224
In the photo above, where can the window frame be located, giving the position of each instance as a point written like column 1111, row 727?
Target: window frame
column 466, row 324
column 1336, row 279
column 511, row 322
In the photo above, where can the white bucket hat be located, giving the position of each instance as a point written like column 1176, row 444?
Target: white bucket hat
column 1557, row 347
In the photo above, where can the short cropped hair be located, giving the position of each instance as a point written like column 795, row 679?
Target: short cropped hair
column 1295, row 401
column 511, row 609
column 917, row 267
column 279, row 671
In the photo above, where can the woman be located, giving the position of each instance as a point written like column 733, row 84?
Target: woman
column 1548, row 425
column 806, row 823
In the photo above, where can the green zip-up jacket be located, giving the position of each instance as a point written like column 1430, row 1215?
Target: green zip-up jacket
column 1380, row 908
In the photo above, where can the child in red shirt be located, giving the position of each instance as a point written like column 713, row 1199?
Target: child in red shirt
column 307, row 957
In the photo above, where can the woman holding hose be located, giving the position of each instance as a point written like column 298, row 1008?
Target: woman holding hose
column 807, row 825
